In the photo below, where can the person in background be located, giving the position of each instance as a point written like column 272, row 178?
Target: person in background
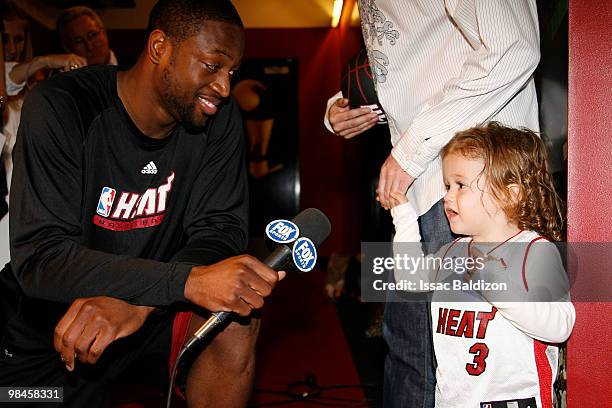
column 439, row 67
column 20, row 66
column 82, row 32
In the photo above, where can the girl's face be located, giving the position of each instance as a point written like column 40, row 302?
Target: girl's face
column 470, row 208
column 13, row 39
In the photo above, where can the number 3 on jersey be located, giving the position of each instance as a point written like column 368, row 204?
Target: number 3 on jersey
column 481, row 352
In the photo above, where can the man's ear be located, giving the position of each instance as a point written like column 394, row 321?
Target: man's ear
column 158, row 47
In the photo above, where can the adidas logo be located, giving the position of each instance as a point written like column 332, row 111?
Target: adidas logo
column 149, row 168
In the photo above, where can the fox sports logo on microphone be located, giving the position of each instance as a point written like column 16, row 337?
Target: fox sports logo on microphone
column 282, row 231
column 304, row 254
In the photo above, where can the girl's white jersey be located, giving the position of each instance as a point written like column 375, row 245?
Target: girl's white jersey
column 485, row 360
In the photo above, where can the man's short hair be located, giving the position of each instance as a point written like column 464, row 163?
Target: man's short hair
column 181, row 19
column 73, row 13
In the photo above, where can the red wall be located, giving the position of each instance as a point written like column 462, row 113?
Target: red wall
column 329, row 165
column 589, row 193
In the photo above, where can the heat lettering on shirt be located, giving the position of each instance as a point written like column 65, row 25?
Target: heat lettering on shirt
column 461, row 323
column 133, row 210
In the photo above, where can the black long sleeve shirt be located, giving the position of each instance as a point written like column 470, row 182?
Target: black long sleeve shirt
column 98, row 208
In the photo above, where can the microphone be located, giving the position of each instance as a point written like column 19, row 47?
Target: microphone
column 312, row 224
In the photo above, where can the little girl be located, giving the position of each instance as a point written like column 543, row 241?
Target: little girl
column 495, row 347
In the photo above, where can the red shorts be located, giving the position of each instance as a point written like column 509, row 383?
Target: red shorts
column 180, row 328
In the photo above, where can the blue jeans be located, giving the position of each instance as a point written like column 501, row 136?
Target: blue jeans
column 409, row 368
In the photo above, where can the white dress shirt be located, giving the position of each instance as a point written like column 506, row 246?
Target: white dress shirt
column 442, row 66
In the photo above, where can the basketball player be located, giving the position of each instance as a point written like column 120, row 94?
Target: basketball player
column 98, row 244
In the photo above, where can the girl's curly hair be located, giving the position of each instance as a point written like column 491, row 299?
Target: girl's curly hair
column 516, row 168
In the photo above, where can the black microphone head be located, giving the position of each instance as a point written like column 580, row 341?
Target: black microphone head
column 313, row 224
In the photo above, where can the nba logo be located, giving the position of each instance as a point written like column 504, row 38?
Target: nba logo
column 486, row 405
column 105, row 204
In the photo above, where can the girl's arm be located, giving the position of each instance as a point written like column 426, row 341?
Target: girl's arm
column 22, row 71
column 407, row 242
column 539, row 304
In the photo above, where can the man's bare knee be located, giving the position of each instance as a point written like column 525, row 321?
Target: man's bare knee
column 234, row 345
column 227, row 363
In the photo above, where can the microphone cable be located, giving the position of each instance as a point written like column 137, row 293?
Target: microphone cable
column 214, row 321
column 173, row 376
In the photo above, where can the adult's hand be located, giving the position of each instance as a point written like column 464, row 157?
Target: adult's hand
column 64, row 62
column 392, row 179
column 347, row 122
column 238, row 284
column 91, row 324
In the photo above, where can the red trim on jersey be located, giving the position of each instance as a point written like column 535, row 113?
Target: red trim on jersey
column 525, row 262
column 446, row 252
column 498, row 245
column 180, row 327
column 449, row 247
column 544, row 373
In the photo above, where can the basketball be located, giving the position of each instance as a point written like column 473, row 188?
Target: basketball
column 358, row 85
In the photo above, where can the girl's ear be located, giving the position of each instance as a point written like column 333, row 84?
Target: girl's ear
column 515, row 192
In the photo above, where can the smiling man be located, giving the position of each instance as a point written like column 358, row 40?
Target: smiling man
column 131, row 197
column 82, row 32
